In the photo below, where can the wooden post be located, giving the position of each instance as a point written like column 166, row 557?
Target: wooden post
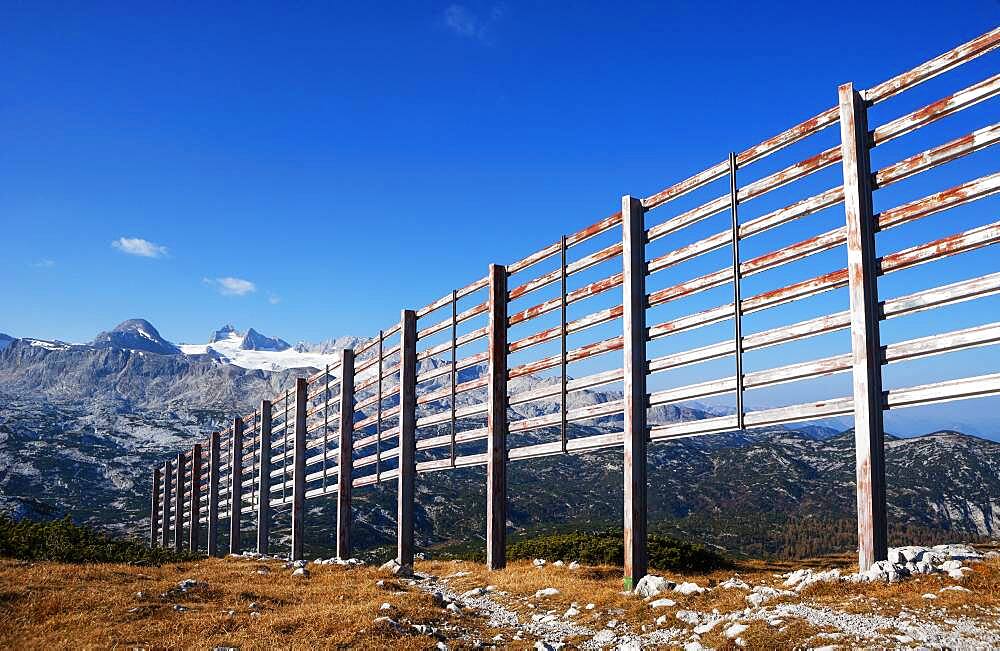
column 179, row 504
column 496, row 421
column 264, row 479
column 865, row 344
column 407, row 437
column 165, row 508
column 154, row 508
column 194, row 524
column 299, row 469
column 734, row 243
column 213, row 494
column 634, row 371
column 235, row 486
column 345, row 460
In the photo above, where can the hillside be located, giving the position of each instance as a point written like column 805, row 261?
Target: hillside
column 770, row 493
column 82, row 424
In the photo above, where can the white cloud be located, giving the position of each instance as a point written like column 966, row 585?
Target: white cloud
column 44, row 263
column 229, row 286
column 140, row 247
column 465, row 22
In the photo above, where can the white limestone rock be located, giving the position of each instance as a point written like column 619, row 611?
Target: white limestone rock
column 795, row 577
column 701, row 629
column 688, row 588
column 734, row 583
column 762, row 594
column 397, row 569
column 604, row 638
column 475, row 592
column 652, row 585
column 734, row 631
column 688, row 616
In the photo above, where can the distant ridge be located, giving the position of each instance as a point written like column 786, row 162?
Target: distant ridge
column 136, row 334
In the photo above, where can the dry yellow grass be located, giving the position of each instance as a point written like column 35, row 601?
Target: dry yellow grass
column 56, row 605
column 49, row 604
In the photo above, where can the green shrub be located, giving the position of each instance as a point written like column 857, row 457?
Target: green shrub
column 65, row 542
column 607, row 548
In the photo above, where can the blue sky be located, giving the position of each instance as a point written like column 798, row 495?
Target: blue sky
column 310, row 169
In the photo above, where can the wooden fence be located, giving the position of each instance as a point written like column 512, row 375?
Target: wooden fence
column 438, row 390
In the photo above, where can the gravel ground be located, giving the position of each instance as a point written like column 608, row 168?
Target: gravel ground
column 686, row 628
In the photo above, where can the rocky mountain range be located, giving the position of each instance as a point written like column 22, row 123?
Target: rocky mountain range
column 137, row 335
column 81, row 424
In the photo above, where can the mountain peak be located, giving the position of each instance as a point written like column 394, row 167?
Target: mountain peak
column 253, row 340
column 136, row 334
column 222, row 333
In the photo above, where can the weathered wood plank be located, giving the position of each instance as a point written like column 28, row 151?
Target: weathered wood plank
column 577, row 325
column 974, row 238
column 936, row 110
column 960, row 389
column 939, row 64
column 689, row 184
column 794, row 172
column 939, row 201
column 788, row 137
column 586, row 262
column 574, row 355
column 579, row 294
column 967, row 144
